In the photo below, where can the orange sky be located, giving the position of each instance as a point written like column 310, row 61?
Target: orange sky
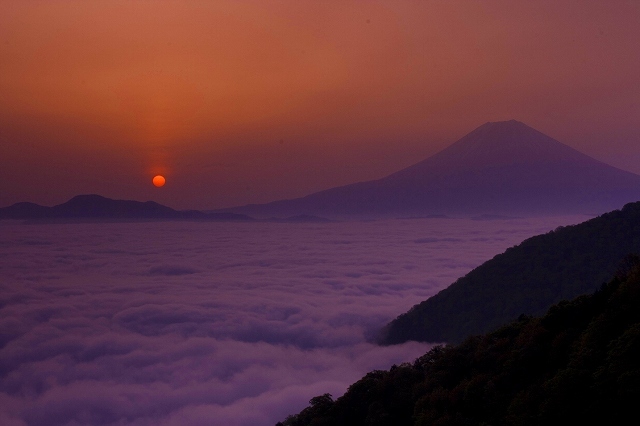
column 252, row 101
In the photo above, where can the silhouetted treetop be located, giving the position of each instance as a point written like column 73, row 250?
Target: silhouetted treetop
column 578, row 364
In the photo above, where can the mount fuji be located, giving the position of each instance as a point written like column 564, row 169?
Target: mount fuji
column 500, row 168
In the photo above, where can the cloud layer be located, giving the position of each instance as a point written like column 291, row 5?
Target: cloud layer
column 224, row 324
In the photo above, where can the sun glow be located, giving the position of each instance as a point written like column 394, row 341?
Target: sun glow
column 159, row 180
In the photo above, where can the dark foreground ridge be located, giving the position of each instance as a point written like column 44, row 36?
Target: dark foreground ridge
column 97, row 208
column 579, row 364
column 525, row 279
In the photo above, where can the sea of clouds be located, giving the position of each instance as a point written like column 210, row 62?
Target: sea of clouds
column 180, row 323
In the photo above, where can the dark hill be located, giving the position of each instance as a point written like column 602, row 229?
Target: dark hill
column 579, row 364
column 527, row 279
column 96, row 207
column 499, row 168
column 24, row 210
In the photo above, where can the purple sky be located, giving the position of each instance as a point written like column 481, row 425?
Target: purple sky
column 253, row 101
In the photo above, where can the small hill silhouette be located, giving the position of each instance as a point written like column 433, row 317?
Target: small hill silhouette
column 96, row 207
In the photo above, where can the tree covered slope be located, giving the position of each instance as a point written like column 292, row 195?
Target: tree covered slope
column 525, row 279
column 578, row 364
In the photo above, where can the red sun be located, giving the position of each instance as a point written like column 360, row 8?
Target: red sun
column 159, row 180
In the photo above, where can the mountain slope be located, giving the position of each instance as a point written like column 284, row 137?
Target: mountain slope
column 96, row 207
column 579, row 364
column 525, row 279
column 501, row 167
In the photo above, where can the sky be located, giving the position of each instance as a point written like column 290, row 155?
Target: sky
column 238, row 102
column 223, row 324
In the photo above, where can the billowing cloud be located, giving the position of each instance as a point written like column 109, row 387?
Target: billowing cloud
column 212, row 323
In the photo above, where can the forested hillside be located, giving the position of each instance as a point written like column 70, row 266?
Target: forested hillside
column 579, row 364
column 525, row 279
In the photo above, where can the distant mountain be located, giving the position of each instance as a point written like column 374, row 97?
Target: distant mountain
column 525, row 279
column 96, row 207
column 303, row 218
column 579, row 364
column 499, row 168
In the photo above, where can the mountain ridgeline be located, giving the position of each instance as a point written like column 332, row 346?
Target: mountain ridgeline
column 525, row 279
column 499, row 168
column 97, row 208
column 578, row 364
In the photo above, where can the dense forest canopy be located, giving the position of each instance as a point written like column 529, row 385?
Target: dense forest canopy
column 578, row 364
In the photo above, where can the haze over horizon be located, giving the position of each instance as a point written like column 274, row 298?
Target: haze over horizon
column 251, row 102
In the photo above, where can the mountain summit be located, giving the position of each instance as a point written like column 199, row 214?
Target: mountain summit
column 499, row 168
